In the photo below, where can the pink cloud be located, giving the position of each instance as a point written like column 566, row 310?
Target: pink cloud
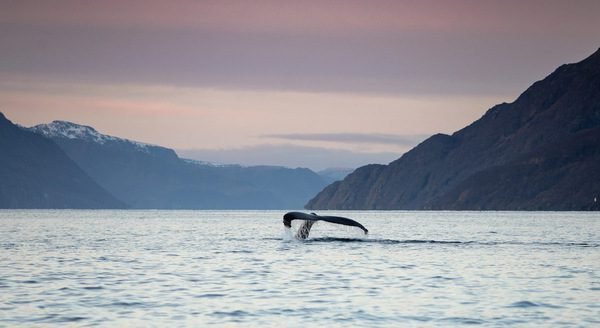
column 37, row 105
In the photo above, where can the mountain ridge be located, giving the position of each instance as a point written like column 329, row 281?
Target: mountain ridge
column 36, row 173
column 149, row 176
column 563, row 105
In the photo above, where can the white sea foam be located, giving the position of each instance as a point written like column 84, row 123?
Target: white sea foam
column 287, row 235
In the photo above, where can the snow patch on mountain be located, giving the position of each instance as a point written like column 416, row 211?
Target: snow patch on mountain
column 71, row 130
column 211, row 164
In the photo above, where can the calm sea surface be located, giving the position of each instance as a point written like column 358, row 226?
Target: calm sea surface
column 239, row 268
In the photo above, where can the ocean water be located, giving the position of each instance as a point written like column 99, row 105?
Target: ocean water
column 240, row 268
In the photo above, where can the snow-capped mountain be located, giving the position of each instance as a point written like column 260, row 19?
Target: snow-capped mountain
column 36, row 173
column 69, row 130
column 148, row 176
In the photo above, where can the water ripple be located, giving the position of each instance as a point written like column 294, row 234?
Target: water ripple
column 528, row 304
column 234, row 268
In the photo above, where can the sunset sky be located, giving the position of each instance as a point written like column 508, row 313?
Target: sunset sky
column 295, row 83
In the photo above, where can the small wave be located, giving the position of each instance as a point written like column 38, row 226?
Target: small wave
column 55, row 318
column 528, row 304
column 8, row 245
column 443, row 242
column 236, row 313
column 463, row 321
column 210, row 295
column 125, row 304
column 241, row 251
column 382, row 241
column 70, row 319
column 573, row 244
column 417, row 318
column 523, row 304
column 442, row 278
column 551, row 243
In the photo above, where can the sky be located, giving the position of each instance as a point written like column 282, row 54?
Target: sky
column 297, row 83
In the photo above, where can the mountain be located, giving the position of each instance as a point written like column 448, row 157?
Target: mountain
column 541, row 152
column 147, row 176
column 36, row 173
column 333, row 174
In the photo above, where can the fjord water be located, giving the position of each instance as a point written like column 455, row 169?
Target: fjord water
column 178, row 268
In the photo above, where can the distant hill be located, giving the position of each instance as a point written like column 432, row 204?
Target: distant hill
column 541, row 152
column 333, row 174
column 36, row 173
column 148, row 176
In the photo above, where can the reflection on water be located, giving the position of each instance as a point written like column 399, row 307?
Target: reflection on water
column 157, row 268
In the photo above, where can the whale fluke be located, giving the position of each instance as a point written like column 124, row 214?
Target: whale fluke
column 310, row 219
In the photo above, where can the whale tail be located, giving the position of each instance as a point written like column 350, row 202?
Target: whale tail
column 310, row 219
column 304, row 229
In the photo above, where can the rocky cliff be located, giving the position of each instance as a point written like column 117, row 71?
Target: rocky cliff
column 540, row 152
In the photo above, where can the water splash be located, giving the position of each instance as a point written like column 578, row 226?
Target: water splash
column 287, row 234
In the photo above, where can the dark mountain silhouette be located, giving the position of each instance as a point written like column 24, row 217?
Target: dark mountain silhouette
column 333, row 174
column 147, row 176
column 541, row 152
column 36, row 173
